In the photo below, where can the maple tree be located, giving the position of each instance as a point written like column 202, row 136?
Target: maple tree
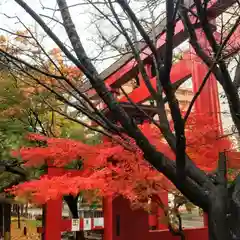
column 110, row 168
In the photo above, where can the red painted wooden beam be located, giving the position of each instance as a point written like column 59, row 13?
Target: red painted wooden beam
column 215, row 9
column 180, row 70
column 232, row 46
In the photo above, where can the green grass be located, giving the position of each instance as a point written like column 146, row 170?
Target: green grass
column 34, row 223
column 28, row 222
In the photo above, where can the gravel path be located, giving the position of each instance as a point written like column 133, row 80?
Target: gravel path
column 192, row 220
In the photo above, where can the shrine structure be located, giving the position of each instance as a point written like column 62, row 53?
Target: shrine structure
column 120, row 222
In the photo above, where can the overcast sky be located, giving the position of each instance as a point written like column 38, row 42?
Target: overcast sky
column 81, row 16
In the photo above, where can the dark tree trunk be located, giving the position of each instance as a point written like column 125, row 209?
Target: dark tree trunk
column 21, row 209
column 217, row 218
column 72, row 204
column 80, row 235
column 224, row 222
column 18, row 216
column 221, row 206
column 43, row 221
column 224, row 212
column 5, row 220
column 233, row 212
column 26, row 209
column 1, row 220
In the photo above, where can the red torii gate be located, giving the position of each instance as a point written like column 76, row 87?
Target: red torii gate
column 124, row 69
column 120, row 222
column 118, row 216
column 207, row 102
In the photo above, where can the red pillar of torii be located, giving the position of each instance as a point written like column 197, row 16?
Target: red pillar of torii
column 54, row 224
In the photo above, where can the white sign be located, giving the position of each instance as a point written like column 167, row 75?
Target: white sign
column 87, row 224
column 75, row 225
column 98, row 222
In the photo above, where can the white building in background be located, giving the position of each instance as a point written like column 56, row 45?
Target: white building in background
column 224, row 23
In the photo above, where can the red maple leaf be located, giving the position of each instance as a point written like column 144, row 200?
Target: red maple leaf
column 111, row 169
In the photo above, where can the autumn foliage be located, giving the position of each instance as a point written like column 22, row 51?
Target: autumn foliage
column 111, row 169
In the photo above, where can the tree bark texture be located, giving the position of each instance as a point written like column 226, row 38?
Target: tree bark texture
column 224, row 213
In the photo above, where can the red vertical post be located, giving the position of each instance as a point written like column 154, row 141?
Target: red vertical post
column 152, row 217
column 208, row 101
column 164, row 197
column 107, row 212
column 108, row 218
column 53, row 212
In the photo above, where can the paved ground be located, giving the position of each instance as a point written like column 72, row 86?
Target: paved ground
column 192, row 220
